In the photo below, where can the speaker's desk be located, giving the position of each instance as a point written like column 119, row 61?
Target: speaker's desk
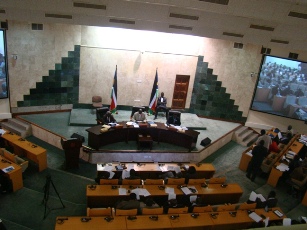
column 15, row 175
column 95, row 223
column 104, row 195
column 160, row 133
column 25, row 148
column 153, row 170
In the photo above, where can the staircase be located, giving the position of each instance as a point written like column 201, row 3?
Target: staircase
column 19, row 127
column 245, row 136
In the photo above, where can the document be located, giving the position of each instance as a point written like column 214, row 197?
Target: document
column 125, row 174
column 249, row 153
column 8, row 169
column 144, row 192
column 255, row 217
column 169, row 190
column 171, row 196
column 193, row 198
column 111, row 174
column 2, row 131
column 253, row 196
column 186, row 190
column 282, row 167
column 122, row 191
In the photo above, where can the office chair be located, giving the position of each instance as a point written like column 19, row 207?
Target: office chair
column 171, row 117
column 131, row 182
column 152, row 211
column 130, row 212
column 246, row 206
column 226, row 207
column 154, row 181
column 178, row 181
column 100, row 112
column 96, row 102
column 135, row 109
column 197, row 181
column 201, row 209
column 217, row 180
column 177, row 210
column 108, row 181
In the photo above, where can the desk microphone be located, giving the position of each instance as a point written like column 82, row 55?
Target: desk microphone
column 61, row 220
column 109, row 218
column 155, row 218
column 85, row 219
column 131, row 218
column 174, row 217
column 224, row 185
column 214, row 215
column 233, row 214
column 92, row 187
column 195, row 215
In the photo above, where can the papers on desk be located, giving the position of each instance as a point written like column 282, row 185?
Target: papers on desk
column 193, row 198
column 2, row 131
column 171, row 196
column 169, row 190
column 282, row 167
column 189, row 190
column 130, row 166
column 125, row 174
column 8, row 169
column 140, row 192
column 303, row 139
column 253, row 196
column 290, row 155
column 255, row 217
column 286, row 222
column 279, row 135
column 122, row 191
column 111, row 174
column 249, row 153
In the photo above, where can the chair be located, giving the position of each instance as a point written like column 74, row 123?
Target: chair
column 131, row 181
column 246, row 206
column 171, row 115
column 200, row 209
column 226, row 207
column 135, row 109
column 173, row 181
column 108, row 181
column 302, row 101
column 298, row 180
column 130, row 212
column 177, row 210
column 154, row 181
column 197, row 181
column 152, row 211
column 99, row 211
column 22, row 163
column 100, row 112
column 290, row 100
column 96, row 102
column 217, row 180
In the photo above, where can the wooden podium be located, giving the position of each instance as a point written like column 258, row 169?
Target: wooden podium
column 72, row 150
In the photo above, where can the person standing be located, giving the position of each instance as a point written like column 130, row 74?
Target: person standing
column 259, row 153
column 266, row 138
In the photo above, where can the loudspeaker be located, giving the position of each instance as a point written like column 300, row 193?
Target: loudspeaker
column 205, row 141
column 78, row 136
column 4, row 25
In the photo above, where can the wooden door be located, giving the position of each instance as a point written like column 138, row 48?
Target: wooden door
column 180, row 91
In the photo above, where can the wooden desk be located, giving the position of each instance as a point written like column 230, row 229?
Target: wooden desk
column 186, row 221
column 96, row 223
column 144, row 222
column 275, row 174
column 278, row 103
column 225, row 221
column 25, row 148
column 96, row 139
column 144, row 140
column 152, row 170
column 104, row 195
column 15, row 175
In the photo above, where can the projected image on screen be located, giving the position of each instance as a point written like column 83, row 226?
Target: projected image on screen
column 3, row 74
column 282, row 88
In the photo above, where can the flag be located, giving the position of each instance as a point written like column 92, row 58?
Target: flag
column 154, row 96
column 114, row 94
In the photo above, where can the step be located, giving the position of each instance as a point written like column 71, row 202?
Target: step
column 241, row 131
column 246, row 135
column 251, row 140
column 12, row 127
column 18, row 123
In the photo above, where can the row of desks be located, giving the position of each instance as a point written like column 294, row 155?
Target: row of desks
column 222, row 221
column 105, row 195
column 15, row 175
column 153, row 170
column 27, row 149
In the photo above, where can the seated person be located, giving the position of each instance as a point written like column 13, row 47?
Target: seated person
column 173, row 120
column 197, row 203
column 190, row 174
column 271, row 201
column 149, row 203
column 274, row 145
column 161, row 105
column 133, row 175
column 132, row 203
column 285, row 140
column 139, row 116
column 108, row 118
column 173, row 203
column 102, row 175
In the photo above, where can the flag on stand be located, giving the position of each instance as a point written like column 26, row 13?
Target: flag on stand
column 114, row 94
column 154, row 96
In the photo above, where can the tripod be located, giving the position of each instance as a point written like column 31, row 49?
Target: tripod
column 46, row 195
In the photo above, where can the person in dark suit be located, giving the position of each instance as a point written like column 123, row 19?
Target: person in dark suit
column 161, row 105
column 190, row 174
column 132, row 203
column 173, row 120
column 108, row 118
column 259, row 153
column 271, row 201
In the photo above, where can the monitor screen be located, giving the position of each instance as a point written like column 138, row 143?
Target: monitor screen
column 281, row 88
column 3, row 66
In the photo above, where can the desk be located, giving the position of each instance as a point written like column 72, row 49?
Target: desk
column 96, row 139
column 225, row 221
column 96, row 223
column 104, row 195
column 152, row 170
column 144, row 222
column 15, row 175
column 145, row 140
column 25, row 148
column 278, row 103
column 275, row 174
column 186, row 221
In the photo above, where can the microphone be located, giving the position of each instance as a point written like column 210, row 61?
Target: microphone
column 174, row 217
column 85, row 219
column 155, row 218
column 60, row 220
column 108, row 218
column 195, row 215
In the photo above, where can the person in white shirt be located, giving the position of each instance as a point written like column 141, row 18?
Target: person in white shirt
column 139, row 116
